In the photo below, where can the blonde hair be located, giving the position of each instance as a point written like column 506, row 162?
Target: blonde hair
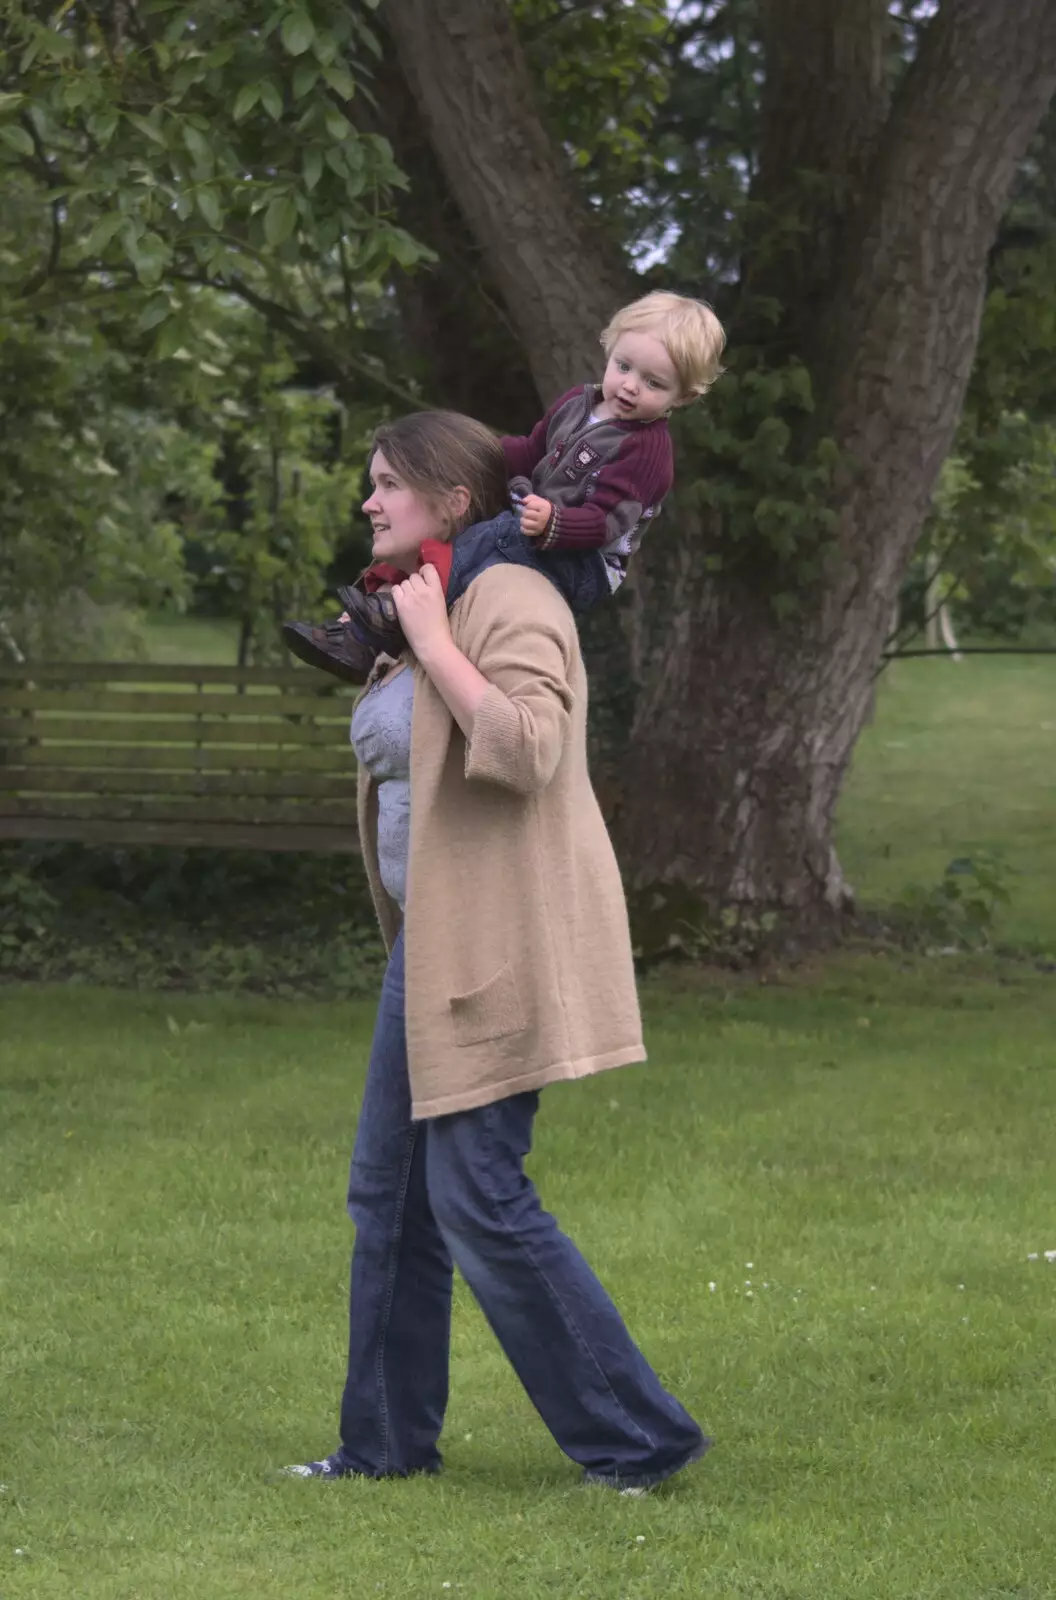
column 437, row 452
column 690, row 331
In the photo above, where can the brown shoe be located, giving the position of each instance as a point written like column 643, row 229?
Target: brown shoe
column 332, row 647
column 374, row 619
column 347, row 650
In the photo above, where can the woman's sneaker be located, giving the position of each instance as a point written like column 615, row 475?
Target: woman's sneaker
column 332, row 1467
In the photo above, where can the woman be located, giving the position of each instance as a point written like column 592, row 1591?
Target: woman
column 510, row 968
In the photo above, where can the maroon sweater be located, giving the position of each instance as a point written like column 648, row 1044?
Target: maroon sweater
column 605, row 480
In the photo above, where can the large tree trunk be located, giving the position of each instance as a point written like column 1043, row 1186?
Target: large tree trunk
column 744, row 724
column 559, row 277
column 451, row 311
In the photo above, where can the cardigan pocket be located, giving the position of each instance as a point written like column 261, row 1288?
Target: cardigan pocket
column 489, row 1012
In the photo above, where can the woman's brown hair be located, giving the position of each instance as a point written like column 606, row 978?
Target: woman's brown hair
column 436, row 452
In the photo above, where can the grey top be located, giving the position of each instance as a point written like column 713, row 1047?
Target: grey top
column 381, row 738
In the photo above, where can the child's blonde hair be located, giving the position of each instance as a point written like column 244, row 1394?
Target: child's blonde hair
column 691, row 333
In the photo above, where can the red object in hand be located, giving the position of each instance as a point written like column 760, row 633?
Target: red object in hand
column 434, row 552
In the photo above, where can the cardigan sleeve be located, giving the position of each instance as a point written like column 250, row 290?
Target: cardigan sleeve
column 520, row 635
column 524, row 453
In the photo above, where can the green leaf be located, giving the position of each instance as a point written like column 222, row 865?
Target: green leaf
column 33, row 49
column 245, row 100
column 101, row 127
column 16, row 138
column 149, row 258
column 336, row 125
column 280, row 219
column 297, row 33
column 75, row 92
column 209, row 208
column 220, row 55
column 10, row 102
column 186, row 73
column 403, row 247
column 147, row 127
column 341, row 81
column 325, row 48
column 156, row 310
column 271, row 99
column 312, row 167
column 305, row 78
column 105, row 230
column 197, row 144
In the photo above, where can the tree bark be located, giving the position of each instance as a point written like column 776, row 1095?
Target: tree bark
column 451, row 311
column 558, row 275
column 745, row 726
column 826, row 101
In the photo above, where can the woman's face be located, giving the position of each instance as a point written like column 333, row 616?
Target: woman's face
column 401, row 519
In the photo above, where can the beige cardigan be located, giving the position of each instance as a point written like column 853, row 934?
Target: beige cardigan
column 518, row 952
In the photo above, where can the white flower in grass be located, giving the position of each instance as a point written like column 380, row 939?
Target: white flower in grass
column 639, row 1538
column 748, row 1294
column 712, row 1287
column 748, row 1265
column 1033, row 1256
column 1050, row 1255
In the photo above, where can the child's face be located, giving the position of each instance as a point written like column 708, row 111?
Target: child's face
column 640, row 381
column 399, row 516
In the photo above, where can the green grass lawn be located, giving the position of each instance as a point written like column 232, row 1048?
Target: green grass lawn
column 856, row 1154
column 198, row 641
column 960, row 755
column 870, row 1144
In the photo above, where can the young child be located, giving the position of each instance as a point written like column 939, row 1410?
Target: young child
column 587, row 480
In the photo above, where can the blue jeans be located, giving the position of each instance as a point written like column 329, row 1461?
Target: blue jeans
column 581, row 576
column 452, row 1190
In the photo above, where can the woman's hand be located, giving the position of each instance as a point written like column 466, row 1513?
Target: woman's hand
column 535, row 515
column 421, row 606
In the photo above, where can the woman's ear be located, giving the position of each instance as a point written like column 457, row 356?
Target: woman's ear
column 459, row 502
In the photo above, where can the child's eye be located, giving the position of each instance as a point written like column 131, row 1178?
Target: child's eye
column 623, row 366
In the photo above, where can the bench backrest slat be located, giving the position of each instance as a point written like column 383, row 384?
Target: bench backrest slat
column 121, row 753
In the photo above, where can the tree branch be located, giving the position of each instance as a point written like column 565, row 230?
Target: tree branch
column 310, row 337
column 50, row 266
column 554, row 269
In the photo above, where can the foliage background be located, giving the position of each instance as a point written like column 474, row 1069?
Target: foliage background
column 201, row 254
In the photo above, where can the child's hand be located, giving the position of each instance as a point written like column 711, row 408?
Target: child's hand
column 535, row 515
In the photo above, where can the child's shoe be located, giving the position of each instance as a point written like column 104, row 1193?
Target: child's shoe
column 347, row 650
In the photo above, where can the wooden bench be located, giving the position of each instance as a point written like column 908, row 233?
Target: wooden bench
column 247, row 758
